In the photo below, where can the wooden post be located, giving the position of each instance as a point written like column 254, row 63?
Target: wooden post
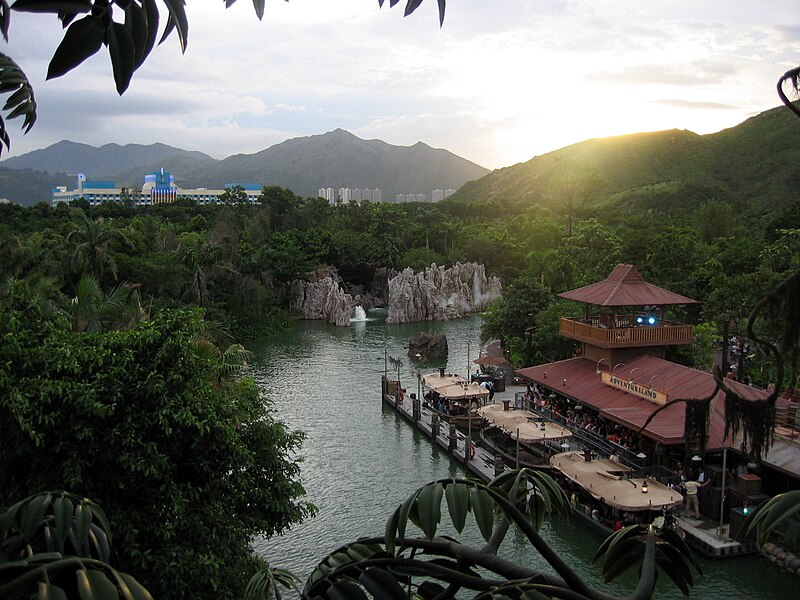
column 453, row 441
column 498, row 464
column 722, row 500
column 434, row 426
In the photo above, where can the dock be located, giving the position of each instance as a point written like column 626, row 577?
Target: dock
column 448, row 437
column 485, row 465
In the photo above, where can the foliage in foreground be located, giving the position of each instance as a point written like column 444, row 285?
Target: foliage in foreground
column 397, row 565
column 150, row 423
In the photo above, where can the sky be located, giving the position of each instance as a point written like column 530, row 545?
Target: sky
column 501, row 82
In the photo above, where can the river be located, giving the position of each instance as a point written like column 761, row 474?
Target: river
column 361, row 460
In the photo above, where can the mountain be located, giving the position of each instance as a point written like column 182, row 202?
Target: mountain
column 753, row 162
column 334, row 159
column 106, row 162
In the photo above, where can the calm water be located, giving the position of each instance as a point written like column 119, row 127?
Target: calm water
column 361, row 460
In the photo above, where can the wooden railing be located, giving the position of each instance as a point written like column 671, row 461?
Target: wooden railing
column 593, row 333
column 787, row 422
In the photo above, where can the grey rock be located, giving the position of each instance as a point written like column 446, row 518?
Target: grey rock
column 440, row 294
column 321, row 296
column 428, row 346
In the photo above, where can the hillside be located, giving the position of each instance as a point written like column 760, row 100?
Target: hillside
column 334, row 159
column 753, row 162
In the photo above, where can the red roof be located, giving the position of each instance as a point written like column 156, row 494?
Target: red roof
column 625, row 287
column 584, row 385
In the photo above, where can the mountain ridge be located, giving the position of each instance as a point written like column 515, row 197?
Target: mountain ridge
column 304, row 164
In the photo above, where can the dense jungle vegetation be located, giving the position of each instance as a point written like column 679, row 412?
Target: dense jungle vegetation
column 120, row 375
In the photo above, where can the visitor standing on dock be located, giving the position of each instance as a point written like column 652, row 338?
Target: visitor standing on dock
column 692, row 488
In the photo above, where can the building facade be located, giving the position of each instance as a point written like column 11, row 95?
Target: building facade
column 158, row 187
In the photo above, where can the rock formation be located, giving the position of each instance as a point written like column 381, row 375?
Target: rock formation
column 427, row 346
column 322, row 296
column 440, row 294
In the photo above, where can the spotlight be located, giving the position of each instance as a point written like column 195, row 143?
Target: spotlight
column 651, row 320
column 639, row 319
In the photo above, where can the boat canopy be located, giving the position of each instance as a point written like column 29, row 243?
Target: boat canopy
column 453, row 387
column 523, row 424
column 605, row 480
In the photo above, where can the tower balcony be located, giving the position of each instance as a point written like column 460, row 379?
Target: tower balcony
column 622, row 332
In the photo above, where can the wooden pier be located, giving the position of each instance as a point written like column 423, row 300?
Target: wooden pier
column 482, row 462
column 486, row 465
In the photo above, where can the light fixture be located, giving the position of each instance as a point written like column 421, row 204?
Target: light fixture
column 542, row 425
column 639, row 319
column 696, row 458
column 641, row 455
column 565, row 446
column 651, row 320
column 564, row 382
column 545, row 374
column 644, row 487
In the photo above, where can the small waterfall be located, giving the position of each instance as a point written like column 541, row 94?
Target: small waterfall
column 360, row 315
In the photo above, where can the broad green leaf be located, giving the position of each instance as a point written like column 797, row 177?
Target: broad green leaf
column 34, row 513
column 381, row 584
column 48, row 591
column 151, row 11
column 123, row 55
column 138, row 591
column 94, row 585
column 136, row 26
column 82, row 40
column 773, row 512
column 346, row 590
column 9, row 518
column 391, row 530
column 100, row 518
column 83, row 519
column 457, row 495
column 441, row 12
column 673, row 564
column 483, row 508
column 429, row 505
column 62, row 511
column 405, row 511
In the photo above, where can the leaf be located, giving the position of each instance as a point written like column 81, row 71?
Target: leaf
column 48, row 591
column 83, row 519
column 100, row 517
column 82, row 40
column 441, row 12
column 411, row 6
column 773, row 512
column 123, row 55
column 483, row 508
column 152, row 15
column 34, row 513
column 98, row 539
column 178, row 21
column 94, row 585
column 457, row 495
column 381, row 584
column 391, row 530
column 429, row 505
column 673, row 564
column 259, row 6
column 70, row 7
column 346, row 590
column 138, row 591
column 9, row 518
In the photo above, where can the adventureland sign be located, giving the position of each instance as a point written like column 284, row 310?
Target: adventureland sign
column 626, row 385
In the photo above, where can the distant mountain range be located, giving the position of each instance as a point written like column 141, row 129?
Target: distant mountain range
column 754, row 163
column 334, row 159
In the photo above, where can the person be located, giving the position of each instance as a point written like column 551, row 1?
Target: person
column 692, row 487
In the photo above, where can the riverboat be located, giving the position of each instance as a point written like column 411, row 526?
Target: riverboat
column 610, row 488
column 454, row 398
column 521, row 437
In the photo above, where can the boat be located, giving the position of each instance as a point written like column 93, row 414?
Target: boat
column 454, row 398
column 604, row 490
column 521, row 437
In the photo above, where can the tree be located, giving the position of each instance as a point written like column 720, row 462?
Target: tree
column 92, row 239
column 235, row 195
column 185, row 457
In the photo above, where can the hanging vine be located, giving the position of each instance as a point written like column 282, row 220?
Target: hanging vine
column 756, row 418
column 696, row 424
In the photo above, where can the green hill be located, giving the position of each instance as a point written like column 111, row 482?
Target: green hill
column 754, row 162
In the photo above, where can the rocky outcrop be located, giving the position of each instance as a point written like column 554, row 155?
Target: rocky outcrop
column 322, row 296
column 440, row 294
column 426, row 346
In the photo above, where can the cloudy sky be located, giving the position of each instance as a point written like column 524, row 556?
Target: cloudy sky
column 501, row 82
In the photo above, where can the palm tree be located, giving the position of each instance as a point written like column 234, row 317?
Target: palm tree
column 91, row 310
column 204, row 259
column 92, row 240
